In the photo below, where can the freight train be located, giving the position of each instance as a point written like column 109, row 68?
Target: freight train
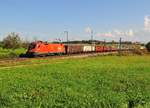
column 40, row 48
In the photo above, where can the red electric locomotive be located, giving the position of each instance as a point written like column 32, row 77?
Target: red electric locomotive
column 40, row 48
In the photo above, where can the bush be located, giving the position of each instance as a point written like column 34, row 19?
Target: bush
column 1, row 44
column 148, row 46
column 12, row 41
column 25, row 44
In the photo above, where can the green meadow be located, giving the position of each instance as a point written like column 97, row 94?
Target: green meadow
column 94, row 82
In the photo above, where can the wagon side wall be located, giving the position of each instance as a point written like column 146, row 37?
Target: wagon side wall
column 73, row 49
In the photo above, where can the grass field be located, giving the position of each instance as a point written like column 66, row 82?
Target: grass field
column 96, row 82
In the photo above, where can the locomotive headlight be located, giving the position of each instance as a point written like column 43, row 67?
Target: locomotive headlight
column 59, row 48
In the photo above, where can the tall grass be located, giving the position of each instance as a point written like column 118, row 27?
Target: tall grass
column 96, row 82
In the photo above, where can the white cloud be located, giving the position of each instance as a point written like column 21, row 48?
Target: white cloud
column 124, row 33
column 117, row 33
column 88, row 30
column 109, row 34
column 130, row 33
column 139, row 34
column 147, row 23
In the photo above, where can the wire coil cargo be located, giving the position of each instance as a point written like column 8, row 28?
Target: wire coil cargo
column 88, row 48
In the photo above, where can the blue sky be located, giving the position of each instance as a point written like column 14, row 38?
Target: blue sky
column 47, row 19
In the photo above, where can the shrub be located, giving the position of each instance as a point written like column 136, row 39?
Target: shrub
column 148, row 46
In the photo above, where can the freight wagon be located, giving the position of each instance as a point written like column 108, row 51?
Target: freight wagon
column 73, row 49
column 99, row 48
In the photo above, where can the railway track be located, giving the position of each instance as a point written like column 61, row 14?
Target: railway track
column 17, row 62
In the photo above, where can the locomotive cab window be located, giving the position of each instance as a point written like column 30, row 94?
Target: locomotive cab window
column 32, row 46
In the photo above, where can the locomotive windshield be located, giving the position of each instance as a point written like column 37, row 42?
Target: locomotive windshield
column 32, row 46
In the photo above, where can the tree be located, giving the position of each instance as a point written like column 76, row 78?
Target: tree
column 1, row 44
column 25, row 44
column 12, row 41
column 148, row 46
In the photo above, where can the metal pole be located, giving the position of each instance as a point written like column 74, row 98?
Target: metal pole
column 104, row 44
column 66, row 32
column 91, row 36
column 120, row 45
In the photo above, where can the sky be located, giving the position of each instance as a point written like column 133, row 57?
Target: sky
column 48, row 19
